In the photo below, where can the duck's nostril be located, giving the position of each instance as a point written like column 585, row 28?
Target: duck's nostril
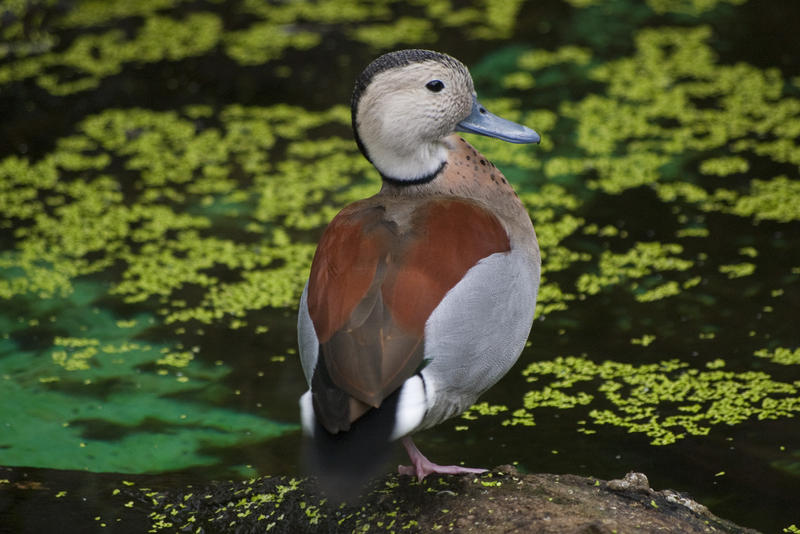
column 482, row 110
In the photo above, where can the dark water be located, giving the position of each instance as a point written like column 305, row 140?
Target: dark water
column 236, row 414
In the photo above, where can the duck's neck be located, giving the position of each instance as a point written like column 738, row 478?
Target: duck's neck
column 416, row 165
column 466, row 173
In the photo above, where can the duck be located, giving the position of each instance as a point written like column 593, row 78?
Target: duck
column 421, row 297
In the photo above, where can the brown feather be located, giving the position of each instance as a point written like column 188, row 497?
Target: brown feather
column 451, row 237
column 344, row 266
column 372, row 287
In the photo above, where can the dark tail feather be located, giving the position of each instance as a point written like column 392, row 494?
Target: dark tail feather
column 346, row 461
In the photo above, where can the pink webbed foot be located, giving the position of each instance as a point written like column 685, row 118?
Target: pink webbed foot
column 422, row 467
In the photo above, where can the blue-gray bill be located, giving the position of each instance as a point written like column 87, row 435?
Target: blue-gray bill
column 483, row 122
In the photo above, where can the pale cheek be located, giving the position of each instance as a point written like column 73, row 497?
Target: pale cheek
column 405, row 120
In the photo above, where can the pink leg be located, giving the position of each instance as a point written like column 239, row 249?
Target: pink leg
column 423, row 467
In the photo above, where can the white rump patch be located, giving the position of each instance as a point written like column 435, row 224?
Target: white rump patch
column 411, row 407
column 307, row 413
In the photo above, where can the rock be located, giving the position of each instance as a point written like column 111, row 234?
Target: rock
column 502, row 500
column 631, row 482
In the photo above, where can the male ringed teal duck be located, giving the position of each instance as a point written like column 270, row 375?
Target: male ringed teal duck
column 421, row 297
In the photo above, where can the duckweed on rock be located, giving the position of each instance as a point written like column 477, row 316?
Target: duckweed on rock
column 496, row 500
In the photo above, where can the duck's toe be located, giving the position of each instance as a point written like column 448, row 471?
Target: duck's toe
column 422, row 467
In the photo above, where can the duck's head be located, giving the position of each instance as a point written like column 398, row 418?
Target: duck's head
column 406, row 102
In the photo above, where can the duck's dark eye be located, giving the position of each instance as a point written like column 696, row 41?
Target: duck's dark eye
column 435, row 86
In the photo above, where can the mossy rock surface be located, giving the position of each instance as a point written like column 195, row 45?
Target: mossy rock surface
column 502, row 500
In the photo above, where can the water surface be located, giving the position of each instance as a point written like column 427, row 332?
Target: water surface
column 167, row 167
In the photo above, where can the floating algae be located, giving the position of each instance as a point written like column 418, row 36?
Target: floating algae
column 142, row 243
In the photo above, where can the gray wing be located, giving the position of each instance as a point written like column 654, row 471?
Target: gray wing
column 477, row 332
column 307, row 340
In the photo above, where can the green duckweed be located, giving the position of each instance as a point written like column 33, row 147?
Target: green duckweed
column 780, row 355
column 665, row 401
column 164, row 31
column 97, row 56
column 207, row 215
column 639, row 262
column 649, row 119
column 737, row 270
column 689, row 7
column 724, row 166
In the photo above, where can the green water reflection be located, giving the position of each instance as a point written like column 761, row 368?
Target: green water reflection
column 166, row 168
